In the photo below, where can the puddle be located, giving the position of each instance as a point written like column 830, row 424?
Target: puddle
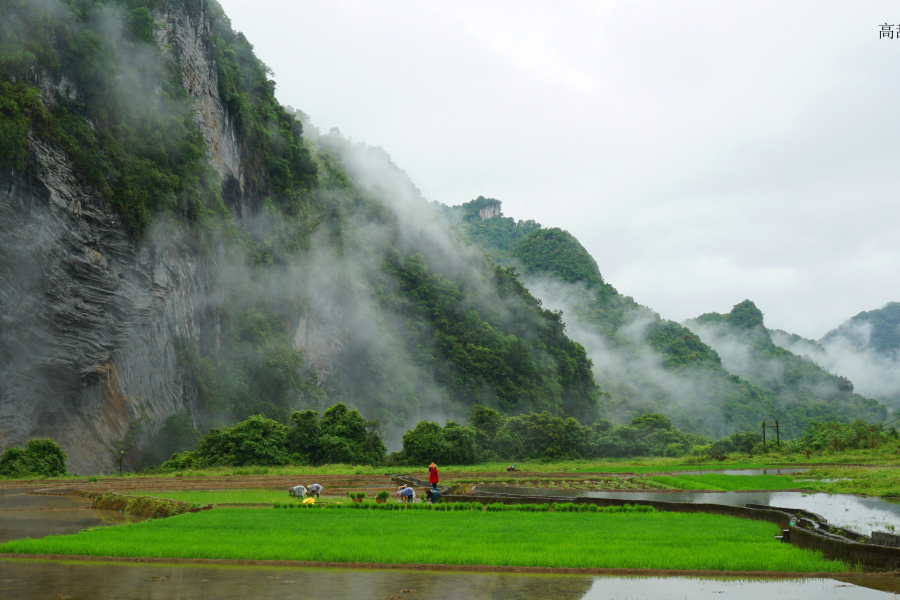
column 863, row 515
column 23, row 516
column 27, row 579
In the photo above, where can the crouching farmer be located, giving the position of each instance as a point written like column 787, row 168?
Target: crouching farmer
column 314, row 490
column 298, row 491
column 406, row 493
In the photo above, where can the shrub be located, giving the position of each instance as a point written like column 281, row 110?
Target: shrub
column 258, row 441
column 41, row 458
column 341, row 435
column 453, row 444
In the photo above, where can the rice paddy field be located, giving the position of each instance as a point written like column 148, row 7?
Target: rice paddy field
column 225, row 496
column 634, row 540
column 729, row 483
column 872, row 481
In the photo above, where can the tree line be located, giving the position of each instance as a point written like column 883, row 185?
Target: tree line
column 341, row 435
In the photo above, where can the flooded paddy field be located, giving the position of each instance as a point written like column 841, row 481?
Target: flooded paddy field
column 860, row 513
column 23, row 515
column 35, row 579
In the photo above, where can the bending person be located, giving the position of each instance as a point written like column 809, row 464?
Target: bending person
column 314, row 490
column 406, row 493
column 298, row 491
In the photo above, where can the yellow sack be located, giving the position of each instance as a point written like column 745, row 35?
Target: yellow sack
column 309, row 501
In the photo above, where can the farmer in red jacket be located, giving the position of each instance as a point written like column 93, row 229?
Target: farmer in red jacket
column 433, row 476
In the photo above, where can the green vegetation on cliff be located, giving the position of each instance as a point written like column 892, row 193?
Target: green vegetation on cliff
column 117, row 109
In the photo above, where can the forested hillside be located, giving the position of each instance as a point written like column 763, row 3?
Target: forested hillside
column 269, row 270
column 642, row 362
column 878, row 330
column 804, row 389
column 864, row 349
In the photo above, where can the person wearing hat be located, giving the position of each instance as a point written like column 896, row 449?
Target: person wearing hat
column 433, row 476
column 406, row 493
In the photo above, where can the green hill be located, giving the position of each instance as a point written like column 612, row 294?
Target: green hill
column 878, row 330
column 802, row 387
column 642, row 362
column 865, row 349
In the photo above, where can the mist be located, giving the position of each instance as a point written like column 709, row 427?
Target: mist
column 874, row 373
column 629, row 370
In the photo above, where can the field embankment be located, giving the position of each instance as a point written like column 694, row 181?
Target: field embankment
column 141, row 506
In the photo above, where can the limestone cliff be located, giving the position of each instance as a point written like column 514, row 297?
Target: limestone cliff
column 90, row 319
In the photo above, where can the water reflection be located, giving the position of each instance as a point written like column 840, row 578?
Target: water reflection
column 862, row 514
column 35, row 516
column 46, row 579
column 22, row 500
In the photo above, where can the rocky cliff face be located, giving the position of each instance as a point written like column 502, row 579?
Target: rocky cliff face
column 185, row 34
column 90, row 320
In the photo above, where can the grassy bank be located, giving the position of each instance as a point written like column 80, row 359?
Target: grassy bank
column 624, row 540
column 872, row 481
column 226, row 496
column 141, row 506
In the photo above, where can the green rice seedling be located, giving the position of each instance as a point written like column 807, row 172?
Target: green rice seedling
column 626, row 539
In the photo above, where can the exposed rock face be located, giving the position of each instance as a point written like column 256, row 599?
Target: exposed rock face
column 320, row 334
column 186, row 36
column 89, row 321
column 489, row 212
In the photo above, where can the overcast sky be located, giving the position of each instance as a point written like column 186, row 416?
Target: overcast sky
column 703, row 152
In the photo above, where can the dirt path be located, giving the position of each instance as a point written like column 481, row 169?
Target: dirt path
column 334, row 484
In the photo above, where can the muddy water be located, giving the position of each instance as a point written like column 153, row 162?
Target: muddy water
column 861, row 514
column 48, row 579
column 23, row 515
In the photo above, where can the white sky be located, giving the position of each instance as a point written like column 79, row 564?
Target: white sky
column 703, row 152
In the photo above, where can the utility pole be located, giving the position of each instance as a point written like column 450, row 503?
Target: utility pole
column 777, row 434
column 764, row 434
